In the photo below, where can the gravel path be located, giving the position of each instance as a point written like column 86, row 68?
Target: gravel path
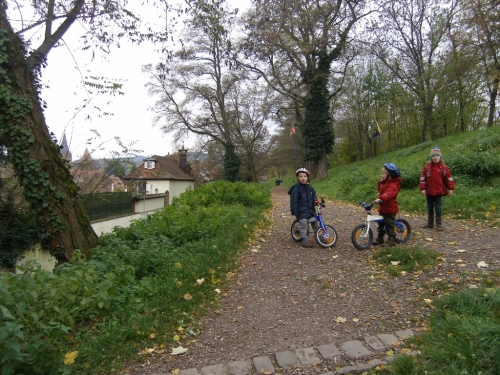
column 286, row 297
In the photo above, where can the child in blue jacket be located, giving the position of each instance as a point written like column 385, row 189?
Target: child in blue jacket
column 302, row 204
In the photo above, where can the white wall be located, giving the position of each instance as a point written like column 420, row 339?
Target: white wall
column 106, row 226
column 148, row 203
column 47, row 261
column 179, row 187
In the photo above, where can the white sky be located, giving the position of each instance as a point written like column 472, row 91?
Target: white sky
column 131, row 120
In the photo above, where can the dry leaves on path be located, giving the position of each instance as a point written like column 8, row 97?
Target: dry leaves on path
column 286, row 297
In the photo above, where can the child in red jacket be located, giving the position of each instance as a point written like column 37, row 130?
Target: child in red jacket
column 436, row 181
column 388, row 189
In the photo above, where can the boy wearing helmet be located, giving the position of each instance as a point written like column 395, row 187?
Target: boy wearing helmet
column 436, row 181
column 388, row 189
column 302, row 201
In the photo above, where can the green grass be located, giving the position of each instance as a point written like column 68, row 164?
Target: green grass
column 463, row 337
column 399, row 259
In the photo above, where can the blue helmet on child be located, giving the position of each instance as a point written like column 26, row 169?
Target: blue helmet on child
column 392, row 169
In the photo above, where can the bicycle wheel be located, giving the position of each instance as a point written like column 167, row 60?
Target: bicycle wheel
column 328, row 239
column 295, row 231
column 403, row 231
column 361, row 239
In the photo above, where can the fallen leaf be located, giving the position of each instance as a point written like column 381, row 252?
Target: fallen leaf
column 340, row 319
column 483, row 264
column 217, row 291
column 178, row 350
column 200, row 281
column 152, row 336
column 188, row 297
column 427, row 301
column 176, row 371
column 355, row 320
column 176, row 338
column 429, row 239
column 395, row 262
column 461, row 251
column 69, row 358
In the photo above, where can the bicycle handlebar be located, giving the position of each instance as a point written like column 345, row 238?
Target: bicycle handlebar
column 368, row 207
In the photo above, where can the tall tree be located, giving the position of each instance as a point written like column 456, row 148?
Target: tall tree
column 41, row 171
column 293, row 44
column 483, row 18
column 200, row 90
column 410, row 38
column 194, row 85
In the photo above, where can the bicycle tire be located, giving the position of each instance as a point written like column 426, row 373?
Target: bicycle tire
column 360, row 239
column 295, row 231
column 329, row 241
column 402, row 236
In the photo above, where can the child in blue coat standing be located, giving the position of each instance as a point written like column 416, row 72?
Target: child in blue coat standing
column 302, row 204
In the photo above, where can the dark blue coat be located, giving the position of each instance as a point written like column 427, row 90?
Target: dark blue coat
column 302, row 198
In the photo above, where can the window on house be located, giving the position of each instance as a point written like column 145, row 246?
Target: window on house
column 150, row 164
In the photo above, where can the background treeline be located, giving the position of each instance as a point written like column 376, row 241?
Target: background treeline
column 415, row 71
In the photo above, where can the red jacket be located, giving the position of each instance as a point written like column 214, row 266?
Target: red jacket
column 436, row 179
column 388, row 191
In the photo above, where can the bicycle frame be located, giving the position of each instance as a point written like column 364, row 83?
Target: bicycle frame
column 319, row 218
column 377, row 218
column 362, row 234
column 325, row 235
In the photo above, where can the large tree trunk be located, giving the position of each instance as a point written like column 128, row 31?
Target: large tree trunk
column 43, row 174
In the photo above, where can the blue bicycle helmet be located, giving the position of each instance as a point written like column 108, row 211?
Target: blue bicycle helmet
column 392, row 169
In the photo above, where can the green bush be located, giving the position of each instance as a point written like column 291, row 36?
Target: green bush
column 140, row 284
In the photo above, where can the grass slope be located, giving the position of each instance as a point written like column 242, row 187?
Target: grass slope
column 472, row 157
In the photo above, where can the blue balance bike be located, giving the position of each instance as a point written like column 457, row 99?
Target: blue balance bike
column 325, row 236
column 362, row 234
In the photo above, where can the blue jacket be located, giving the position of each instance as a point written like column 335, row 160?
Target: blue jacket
column 302, row 199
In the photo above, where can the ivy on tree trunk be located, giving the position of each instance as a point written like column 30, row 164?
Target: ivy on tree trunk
column 45, row 177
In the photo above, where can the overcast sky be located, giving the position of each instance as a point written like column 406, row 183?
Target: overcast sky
column 131, row 119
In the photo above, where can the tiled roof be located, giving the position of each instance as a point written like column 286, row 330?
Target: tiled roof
column 166, row 168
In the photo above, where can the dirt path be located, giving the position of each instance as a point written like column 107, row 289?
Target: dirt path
column 286, row 297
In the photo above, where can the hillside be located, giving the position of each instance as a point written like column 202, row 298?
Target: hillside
column 472, row 157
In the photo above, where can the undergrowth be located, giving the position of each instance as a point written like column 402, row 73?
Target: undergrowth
column 142, row 291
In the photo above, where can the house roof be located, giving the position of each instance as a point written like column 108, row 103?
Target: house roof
column 166, row 168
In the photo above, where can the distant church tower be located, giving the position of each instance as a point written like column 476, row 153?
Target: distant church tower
column 65, row 152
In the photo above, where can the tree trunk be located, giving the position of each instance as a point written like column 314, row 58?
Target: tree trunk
column 43, row 174
column 492, row 104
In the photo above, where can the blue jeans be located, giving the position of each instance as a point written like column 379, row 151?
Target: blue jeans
column 434, row 202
